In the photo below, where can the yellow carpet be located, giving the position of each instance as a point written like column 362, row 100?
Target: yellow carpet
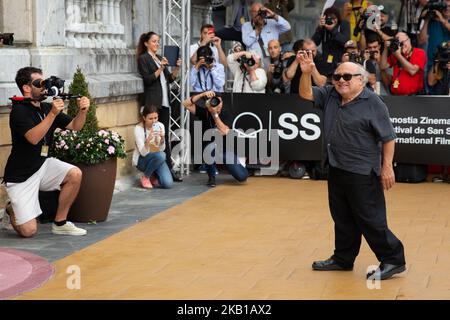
column 257, row 241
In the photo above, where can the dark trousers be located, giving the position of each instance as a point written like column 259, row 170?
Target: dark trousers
column 358, row 208
column 164, row 118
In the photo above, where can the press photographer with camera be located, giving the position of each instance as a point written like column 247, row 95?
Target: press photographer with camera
column 385, row 30
column 373, row 54
column 264, row 26
column 408, row 64
column 436, row 27
column 29, row 168
column 353, row 54
column 282, row 8
column 332, row 33
column 249, row 76
column 207, row 74
column 208, row 38
column 352, row 12
column 275, row 70
column 294, row 72
column 208, row 108
column 439, row 75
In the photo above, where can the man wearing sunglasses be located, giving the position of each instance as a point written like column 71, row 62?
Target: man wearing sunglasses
column 360, row 141
column 29, row 168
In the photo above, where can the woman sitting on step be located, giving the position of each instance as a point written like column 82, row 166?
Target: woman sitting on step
column 149, row 156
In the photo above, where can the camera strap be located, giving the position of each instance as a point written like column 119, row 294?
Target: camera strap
column 206, row 75
column 261, row 45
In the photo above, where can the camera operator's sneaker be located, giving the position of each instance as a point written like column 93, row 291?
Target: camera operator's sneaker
column 211, row 181
column 6, row 222
column 9, row 218
column 68, row 229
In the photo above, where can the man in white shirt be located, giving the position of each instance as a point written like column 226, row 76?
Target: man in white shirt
column 249, row 76
column 208, row 38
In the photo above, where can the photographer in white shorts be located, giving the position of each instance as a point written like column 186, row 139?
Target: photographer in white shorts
column 29, row 168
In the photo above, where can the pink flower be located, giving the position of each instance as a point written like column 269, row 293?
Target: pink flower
column 111, row 150
column 78, row 146
column 66, row 147
column 107, row 141
column 62, row 143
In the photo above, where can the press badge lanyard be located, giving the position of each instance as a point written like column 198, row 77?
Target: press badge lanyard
column 44, row 148
column 206, row 75
column 396, row 82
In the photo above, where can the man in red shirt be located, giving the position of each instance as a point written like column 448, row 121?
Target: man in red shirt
column 408, row 65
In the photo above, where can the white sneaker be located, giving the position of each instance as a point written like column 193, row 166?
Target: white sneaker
column 68, row 229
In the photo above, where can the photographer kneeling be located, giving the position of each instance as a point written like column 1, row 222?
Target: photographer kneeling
column 213, row 116
column 29, row 168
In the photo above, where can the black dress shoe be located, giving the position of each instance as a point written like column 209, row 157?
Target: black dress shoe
column 329, row 265
column 386, row 271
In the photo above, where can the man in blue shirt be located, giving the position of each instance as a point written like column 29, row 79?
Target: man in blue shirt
column 264, row 26
column 435, row 31
column 207, row 74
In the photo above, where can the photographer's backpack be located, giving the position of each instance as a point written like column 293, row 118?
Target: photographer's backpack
column 410, row 173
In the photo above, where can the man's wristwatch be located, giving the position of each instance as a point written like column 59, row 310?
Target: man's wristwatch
column 216, row 115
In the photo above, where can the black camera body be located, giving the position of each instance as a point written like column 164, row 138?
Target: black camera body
column 394, row 46
column 372, row 55
column 209, row 60
column 8, row 38
column 213, row 102
column 262, row 13
column 244, row 61
column 355, row 57
column 442, row 56
column 433, row 5
column 278, row 69
column 329, row 21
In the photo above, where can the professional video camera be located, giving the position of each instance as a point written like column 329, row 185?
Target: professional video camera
column 244, row 61
column 53, row 87
column 442, row 56
column 433, row 5
column 8, row 38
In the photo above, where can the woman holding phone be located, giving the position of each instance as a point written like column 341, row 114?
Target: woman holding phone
column 156, row 76
column 149, row 156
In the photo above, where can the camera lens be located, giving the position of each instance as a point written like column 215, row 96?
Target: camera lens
column 209, row 60
column 213, row 102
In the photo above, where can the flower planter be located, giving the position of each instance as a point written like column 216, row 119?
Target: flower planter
column 96, row 192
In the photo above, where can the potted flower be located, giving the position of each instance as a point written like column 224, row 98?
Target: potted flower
column 95, row 152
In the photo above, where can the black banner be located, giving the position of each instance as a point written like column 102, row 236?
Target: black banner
column 422, row 125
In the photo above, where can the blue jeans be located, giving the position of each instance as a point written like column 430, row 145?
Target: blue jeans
column 155, row 162
column 231, row 163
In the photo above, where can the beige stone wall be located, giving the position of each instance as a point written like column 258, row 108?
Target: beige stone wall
column 120, row 117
